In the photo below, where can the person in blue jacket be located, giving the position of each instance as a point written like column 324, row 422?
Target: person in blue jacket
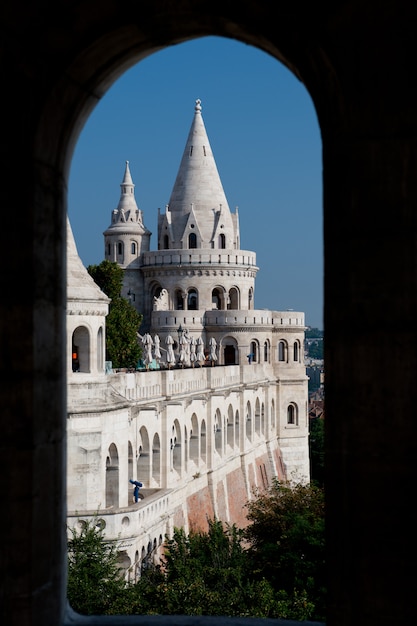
column 136, row 488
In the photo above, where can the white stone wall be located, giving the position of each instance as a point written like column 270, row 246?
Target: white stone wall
column 141, row 426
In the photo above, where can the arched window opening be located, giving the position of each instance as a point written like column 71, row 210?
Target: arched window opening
column 133, row 248
column 257, row 417
column 112, row 477
column 143, row 462
column 194, row 440
column 100, row 349
column 230, row 427
column 203, row 442
column 216, row 299
column 230, row 355
column 218, row 438
column 266, row 352
column 250, row 299
column 237, row 429
column 292, row 415
column 179, row 300
column 166, row 242
column 282, row 351
column 222, row 241
column 120, row 248
column 296, row 352
column 249, row 421
column 233, row 299
column 192, row 240
column 192, row 300
column 156, row 461
column 176, row 447
column 80, row 353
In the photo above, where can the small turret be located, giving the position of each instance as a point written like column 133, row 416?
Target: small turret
column 126, row 237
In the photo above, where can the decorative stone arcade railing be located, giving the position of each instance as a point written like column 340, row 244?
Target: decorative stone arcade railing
column 259, row 319
column 199, row 257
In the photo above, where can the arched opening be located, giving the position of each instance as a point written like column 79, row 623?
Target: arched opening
column 194, row 439
column 192, row 240
column 156, row 460
column 233, row 299
column 143, row 457
column 80, row 353
column 112, row 477
column 249, row 421
column 218, row 433
column 176, row 447
column 192, row 300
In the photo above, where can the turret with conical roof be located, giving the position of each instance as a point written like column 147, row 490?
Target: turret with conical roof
column 127, row 237
column 198, row 214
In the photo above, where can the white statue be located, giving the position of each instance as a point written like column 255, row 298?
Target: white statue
column 147, row 343
column 160, row 303
column 157, row 350
column 213, row 347
column 200, row 356
column 170, row 351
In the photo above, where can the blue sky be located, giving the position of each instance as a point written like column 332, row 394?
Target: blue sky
column 266, row 141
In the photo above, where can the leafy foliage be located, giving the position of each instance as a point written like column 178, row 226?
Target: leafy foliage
column 109, row 277
column 272, row 569
column 287, row 540
column 313, row 333
column 316, row 350
column 211, row 574
column 123, row 321
column 94, row 577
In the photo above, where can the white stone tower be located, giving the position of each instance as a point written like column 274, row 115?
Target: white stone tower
column 200, row 435
column 127, row 238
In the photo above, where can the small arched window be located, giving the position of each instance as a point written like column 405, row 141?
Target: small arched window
column 222, row 241
column 120, row 248
column 296, row 352
column 281, row 351
column 133, row 248
column 192, row 240
column 179, row 300
column 192, row 300
column 166, row 242
column 292, row 416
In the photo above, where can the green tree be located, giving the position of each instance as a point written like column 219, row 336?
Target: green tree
column 95, row 583
column 313, row 333
column 123, row 321
column 287, row 541
column 316, row 350
column 211, row 574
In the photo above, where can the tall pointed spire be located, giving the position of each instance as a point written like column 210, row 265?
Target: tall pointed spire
column 127, row 200
column 198, row 194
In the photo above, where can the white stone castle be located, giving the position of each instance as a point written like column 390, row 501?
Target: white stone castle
column 220, row 406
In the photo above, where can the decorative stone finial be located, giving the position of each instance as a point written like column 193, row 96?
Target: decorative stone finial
column 198, row 105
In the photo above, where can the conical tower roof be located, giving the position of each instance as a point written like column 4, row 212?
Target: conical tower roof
column 198, row 190
column 127, row 217
column 81, row 288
